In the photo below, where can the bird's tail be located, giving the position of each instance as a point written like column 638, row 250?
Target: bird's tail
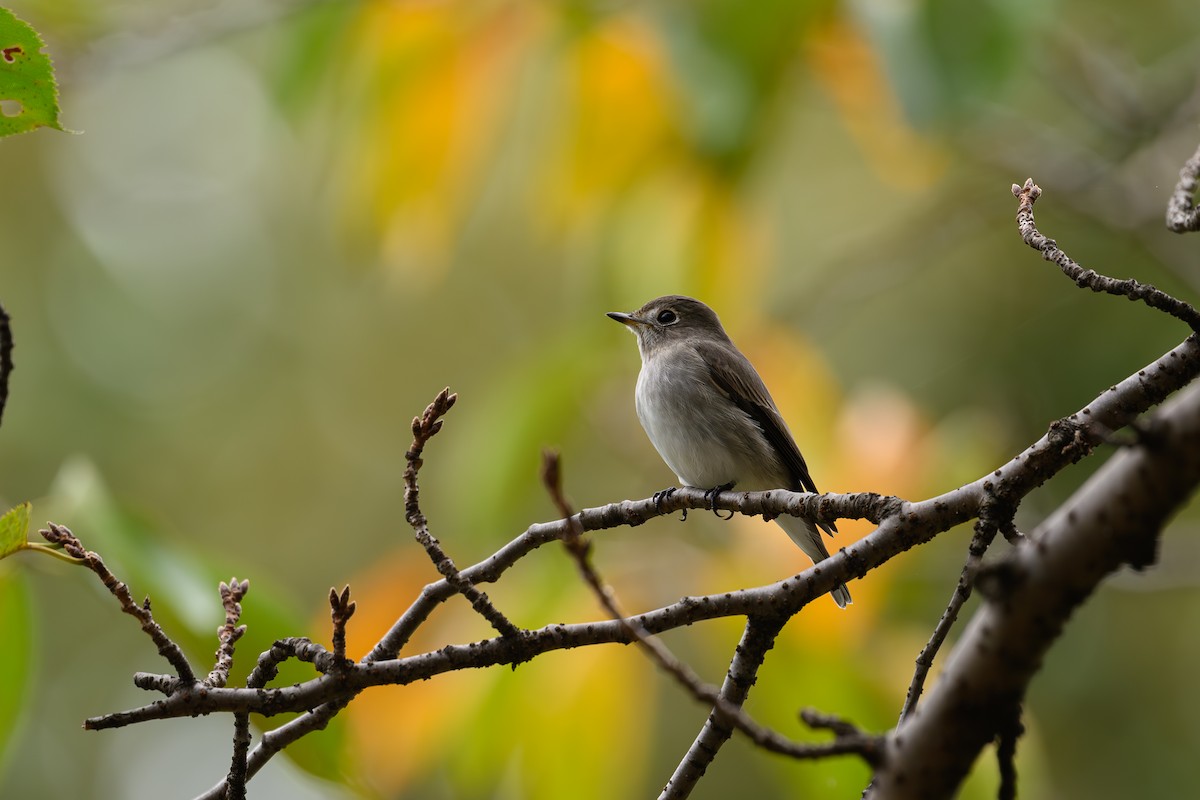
column 808, row 538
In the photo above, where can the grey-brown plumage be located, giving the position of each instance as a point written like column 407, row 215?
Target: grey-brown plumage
column 709, row 415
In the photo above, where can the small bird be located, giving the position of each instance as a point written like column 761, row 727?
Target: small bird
column 711, row 418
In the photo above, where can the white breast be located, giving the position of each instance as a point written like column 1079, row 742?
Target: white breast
column 705, row 439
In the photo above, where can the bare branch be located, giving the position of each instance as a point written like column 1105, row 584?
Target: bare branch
column 1006, row 754
column 228, row 634
column 757, row 640
column 62, row 536
column 1089, row 279
column 994, row 516
column 235, row 783
column 299, row 648
column 276, row 740
column 424, row 428
column 1182, row 215
column 962, row 593
column 1114, row 519
column 341, row 610
column 6, row 362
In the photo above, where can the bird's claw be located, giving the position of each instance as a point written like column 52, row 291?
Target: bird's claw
column 711, row 497
column 665, row 494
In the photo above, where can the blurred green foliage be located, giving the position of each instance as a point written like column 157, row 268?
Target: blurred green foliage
column 289, row 224
column 16, row 668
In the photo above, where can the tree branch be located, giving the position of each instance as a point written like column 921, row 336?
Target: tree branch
column 1182, row 215
column 984, row 534
column 1089, row 279
column 757, row 640
column 235, row 782
column 424, row 428
column 341, row 610
column 1006, row 754
column 6, row 362
column 1114, row 519
column 60, row 535
column 228, row 634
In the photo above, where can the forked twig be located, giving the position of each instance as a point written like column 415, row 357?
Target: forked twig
column 60, row 535
column 424, row 428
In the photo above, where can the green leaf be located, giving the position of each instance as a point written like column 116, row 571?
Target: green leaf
column 14, row 526
column 16, row 668
column 28, row 91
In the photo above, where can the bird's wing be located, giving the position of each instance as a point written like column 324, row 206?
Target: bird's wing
column 750, row 394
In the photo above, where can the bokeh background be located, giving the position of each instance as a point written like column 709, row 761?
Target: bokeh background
column 284, row 226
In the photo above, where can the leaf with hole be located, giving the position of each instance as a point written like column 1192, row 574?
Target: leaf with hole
column 28, row 91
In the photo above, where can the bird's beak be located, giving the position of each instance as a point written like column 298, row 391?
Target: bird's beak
column 626, row 319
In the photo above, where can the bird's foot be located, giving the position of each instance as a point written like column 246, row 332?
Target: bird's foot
column 665, row 494
column 711, row 497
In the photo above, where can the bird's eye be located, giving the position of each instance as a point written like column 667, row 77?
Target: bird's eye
column 667, row 317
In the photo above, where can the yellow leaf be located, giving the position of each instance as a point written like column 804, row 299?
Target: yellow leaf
column 844, row 62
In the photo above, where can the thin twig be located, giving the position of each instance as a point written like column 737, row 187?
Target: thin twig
column 235, row 783
column 989, row 523
column 1090, row 279
column 424, row 428
column 758, row 638
column 341, row 610
column 247, row 764
column 274, row 741
column 6, row 362
column 62, row 536
column 229, row 633
column 1006, row 754
column 1182, row 215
